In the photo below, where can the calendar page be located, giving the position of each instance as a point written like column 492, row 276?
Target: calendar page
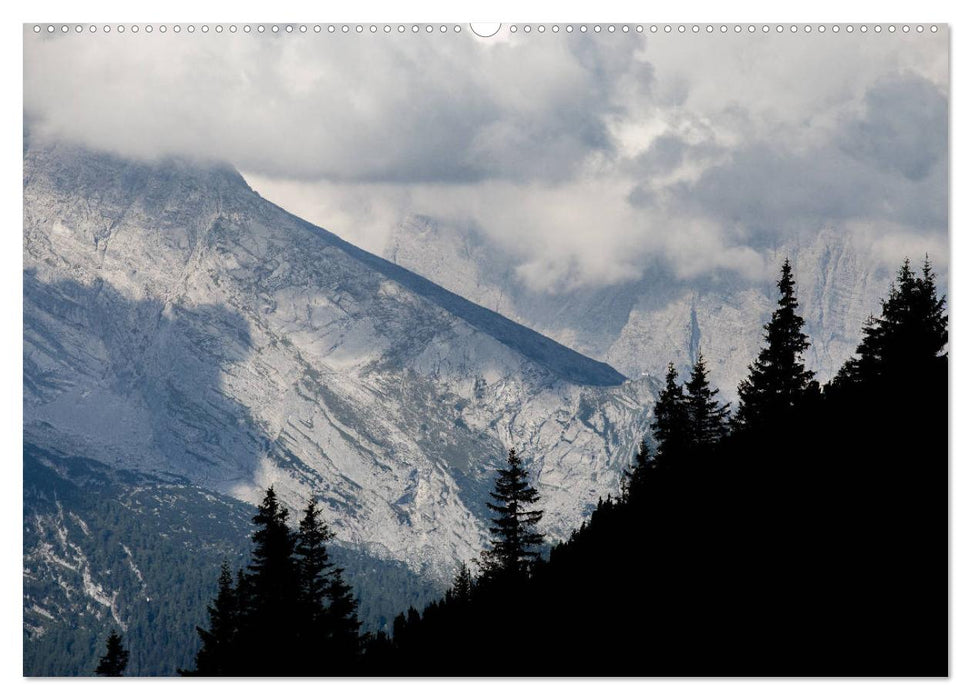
column 485, row 350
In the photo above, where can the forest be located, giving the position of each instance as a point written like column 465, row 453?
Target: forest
column 805, row 533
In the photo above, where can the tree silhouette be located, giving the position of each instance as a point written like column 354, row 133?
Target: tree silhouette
column 910, row 332
column 313, row 563
column 832, row 522
column 217, row 655
column 706, row 416
column 272, row 593
column 461, row 589
column 635, row 476
column 670, row 424
column 115, row 660
column 290, row 613
column 329, row 626
column 313, row 569
column 514, row 543
column 778, row 379
column 341, row 617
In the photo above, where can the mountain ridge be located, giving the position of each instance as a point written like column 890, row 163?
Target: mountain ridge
column 639, row 326
column 174, row 320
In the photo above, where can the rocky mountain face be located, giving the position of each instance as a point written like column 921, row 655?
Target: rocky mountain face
column 174, row 321
column 640, row 326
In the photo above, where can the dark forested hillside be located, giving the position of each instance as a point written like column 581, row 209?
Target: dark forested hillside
column 111, row 549
column 107, row 549
column 811, row 541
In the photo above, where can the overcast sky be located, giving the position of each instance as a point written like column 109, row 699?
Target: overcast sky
column 586, row 156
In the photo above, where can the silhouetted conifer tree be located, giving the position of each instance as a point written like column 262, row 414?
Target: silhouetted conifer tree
column 636, row 474
column 910, row 332
column 313, row 568
column 313, row 562
column 290, row 613
column 670, row 424
column 778, row 379
column 414, row 617
column 462, row 585
column 115, row 660
column 272, row 592
column 342, row 618
column 514, row 543
column 217, row 655
column 707, row 417
column 399, row 629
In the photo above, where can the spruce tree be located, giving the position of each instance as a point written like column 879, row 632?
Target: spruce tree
column 313, row 568
column 635, row 476
column 342, row 619
column 706, row 416
column 670, row 424
column 272, row 593
column 399, row 629
column 778, row 379
column 313, row 563
column 329, row 615
column 115, row 660
column 217, row 655
column 909, row 334
column 514, row 542
column 461, row 590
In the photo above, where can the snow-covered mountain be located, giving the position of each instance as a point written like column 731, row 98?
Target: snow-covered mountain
column 640, row 326
column 176, row 321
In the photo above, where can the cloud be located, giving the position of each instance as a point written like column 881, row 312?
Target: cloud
column 382, row 108
column 586, row 159
column 903, row 129
column 887, row 163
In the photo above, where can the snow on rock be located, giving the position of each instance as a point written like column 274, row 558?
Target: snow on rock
column 176, row 321
column 638, row 327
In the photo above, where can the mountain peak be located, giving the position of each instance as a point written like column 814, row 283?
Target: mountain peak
column 176, row 321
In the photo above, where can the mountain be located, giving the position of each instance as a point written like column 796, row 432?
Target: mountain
column 176, row 322
column 640, row 326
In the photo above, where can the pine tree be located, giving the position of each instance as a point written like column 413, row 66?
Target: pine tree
column 313, row 564
column 329, row 615
column 910, row 332
column 399, row 629
column 115, row 660
column 670, row 424
column 272, row 593
column 778, row 379
column 313, row 570
column 514, row 543
column 218, row 653
column 461, row 590
column 931, row 338
column 707, row 418
column 342, row 619
column 635, row 476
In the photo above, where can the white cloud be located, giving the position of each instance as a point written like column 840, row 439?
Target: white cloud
column 588, row 159
column 395, row 108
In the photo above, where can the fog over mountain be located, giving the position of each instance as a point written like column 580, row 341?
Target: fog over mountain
column 640, row 326
column 590, row 159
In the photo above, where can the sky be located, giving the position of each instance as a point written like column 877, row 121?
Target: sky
column 586, row 157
